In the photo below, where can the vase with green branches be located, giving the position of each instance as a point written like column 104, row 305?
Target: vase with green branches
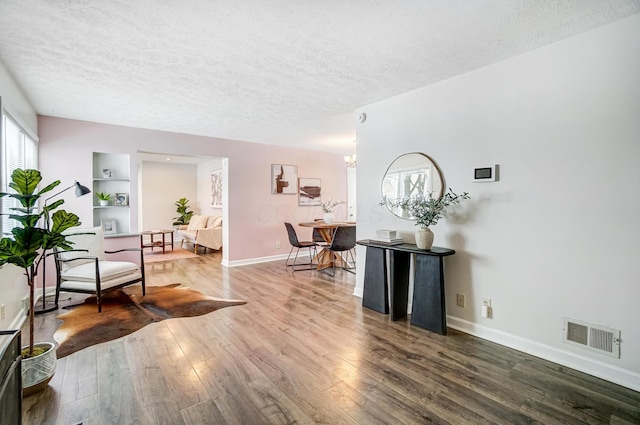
column 182, row 205
column 426, row 211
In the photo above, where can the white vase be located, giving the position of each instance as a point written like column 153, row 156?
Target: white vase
column 328, row 218
column 37, row 371
column 103, row 203
column 424, row 238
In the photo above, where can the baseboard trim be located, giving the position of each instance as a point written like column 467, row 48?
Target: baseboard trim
column 587, row 365
column 258, row 260
column 18, row 321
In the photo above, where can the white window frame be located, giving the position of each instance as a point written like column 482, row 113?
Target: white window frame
column 18, row 149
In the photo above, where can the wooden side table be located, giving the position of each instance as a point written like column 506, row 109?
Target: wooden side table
column 156, row 243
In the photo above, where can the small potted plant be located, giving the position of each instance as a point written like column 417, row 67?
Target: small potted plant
column 26, row 248
column 426, row 211
column 103, row 198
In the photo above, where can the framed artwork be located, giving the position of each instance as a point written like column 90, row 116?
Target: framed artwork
column 109, row 226
column 106, row 173
column 216, row 189
column 122, row 199
column 309, row 192
column 284, row 179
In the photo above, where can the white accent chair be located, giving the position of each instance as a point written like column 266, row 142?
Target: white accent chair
column 85, row 268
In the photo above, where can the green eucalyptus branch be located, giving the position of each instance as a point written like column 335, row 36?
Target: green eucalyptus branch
column 426, row 211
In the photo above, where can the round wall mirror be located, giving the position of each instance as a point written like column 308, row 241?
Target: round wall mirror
column 411, row 175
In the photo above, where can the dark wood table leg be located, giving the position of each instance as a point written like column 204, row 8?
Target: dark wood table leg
column 376, row 291
column 399, row 283
column 163, row 244
column 429, row 311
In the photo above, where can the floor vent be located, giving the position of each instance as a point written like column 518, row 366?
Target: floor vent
column 592, row 337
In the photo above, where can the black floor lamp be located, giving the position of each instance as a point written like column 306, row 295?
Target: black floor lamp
column 47, row 307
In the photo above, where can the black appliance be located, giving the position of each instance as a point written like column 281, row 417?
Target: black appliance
column 10, row 378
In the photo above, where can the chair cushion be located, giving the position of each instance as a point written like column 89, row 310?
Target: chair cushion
column 79, row 285
column 108, row 270
column 197, row 222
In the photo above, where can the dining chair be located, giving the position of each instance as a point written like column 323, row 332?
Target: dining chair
column 85, row 268
column 344, row 240
column 295, row 243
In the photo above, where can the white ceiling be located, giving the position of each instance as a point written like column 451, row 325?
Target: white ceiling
column 280, row 72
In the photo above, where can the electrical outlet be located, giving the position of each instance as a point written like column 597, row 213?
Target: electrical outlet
column 460, row 300
column 485, row 310
column 277, row 245
column 2, row 312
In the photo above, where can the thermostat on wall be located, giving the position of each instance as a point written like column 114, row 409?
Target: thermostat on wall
column 486, row 173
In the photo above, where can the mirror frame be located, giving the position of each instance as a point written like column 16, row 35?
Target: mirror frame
column 436, row 171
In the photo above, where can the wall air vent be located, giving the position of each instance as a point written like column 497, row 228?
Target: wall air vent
column 592, row 337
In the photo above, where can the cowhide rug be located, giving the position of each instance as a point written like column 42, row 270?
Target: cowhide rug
column 125, row 311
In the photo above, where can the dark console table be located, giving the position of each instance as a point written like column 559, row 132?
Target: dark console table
column 428, row 309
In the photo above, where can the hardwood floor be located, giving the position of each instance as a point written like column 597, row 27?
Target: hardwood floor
column 303, row 350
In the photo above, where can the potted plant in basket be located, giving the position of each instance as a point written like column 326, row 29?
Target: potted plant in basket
column 182, row 205
column 27, row 248
column 103, row 198
column 426, row 211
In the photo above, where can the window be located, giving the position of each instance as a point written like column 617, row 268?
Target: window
column 19, row 150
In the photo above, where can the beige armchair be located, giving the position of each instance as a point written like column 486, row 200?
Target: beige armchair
column 86, row 269
column 202, row 230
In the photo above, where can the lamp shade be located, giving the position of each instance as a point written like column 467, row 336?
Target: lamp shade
column 81, row 190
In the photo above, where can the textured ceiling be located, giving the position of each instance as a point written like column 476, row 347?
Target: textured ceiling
column 279, row 72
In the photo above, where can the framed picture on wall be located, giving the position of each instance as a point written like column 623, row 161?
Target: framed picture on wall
column 109, row 226
column 284, row 179
column 106, row 173
column 309, row 192
column 216, row 189
column 121, row 199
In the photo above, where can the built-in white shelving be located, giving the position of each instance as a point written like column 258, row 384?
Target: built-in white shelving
column 111, row 174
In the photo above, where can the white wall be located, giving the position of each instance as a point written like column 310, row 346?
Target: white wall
column 13, row 284
column 162, row 184
column 559, row 234
column 16, row 102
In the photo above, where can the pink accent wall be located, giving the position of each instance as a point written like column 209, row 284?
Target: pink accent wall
column 255, row 215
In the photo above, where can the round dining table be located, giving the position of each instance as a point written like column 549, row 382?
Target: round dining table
column 325, row 257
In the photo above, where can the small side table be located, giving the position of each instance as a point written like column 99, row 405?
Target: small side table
column 159, row 243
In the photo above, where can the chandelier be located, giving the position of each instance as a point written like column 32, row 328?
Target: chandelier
column 350, row 160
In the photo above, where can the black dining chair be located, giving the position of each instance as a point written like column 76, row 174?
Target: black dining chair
column 344, row 240
column 295, row 243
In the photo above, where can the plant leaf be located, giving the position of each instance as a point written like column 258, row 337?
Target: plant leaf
column 24, row 182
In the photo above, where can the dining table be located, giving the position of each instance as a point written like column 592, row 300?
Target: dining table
column 325, row 257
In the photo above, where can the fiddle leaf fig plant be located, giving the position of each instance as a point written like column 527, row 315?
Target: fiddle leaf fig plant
column 182, row 205
column 29, row 243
